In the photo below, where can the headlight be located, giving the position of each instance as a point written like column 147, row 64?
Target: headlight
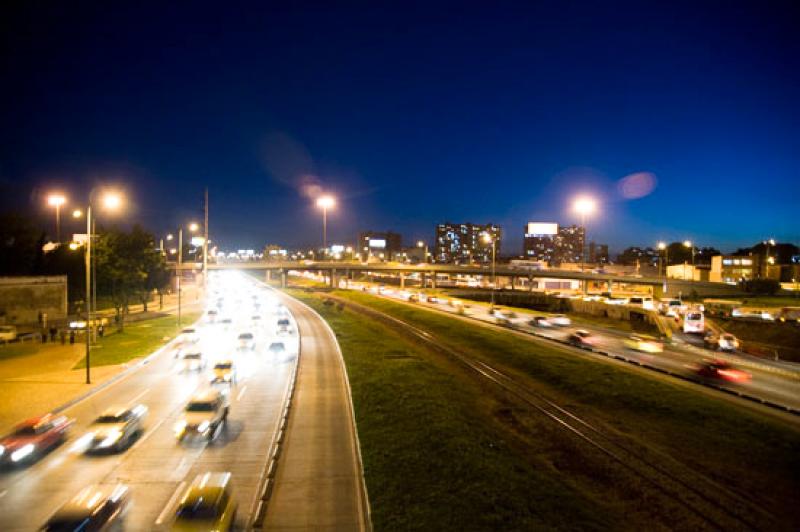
column 22, row 452
column 202, row 427
column 180, row 426
column 2, row 450
column 112, row 438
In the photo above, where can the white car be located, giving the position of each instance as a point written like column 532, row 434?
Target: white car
column 8, row 333
column 115, row 429
column 206, row 411
column 246, row 340
column 193, row 361
column 284, row 326
column 560, row 320
column 189, row 336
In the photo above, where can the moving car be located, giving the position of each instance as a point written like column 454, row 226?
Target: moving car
column 277, row 347
column 224, row 371
column 193, row 361
column 32, row 438
column 207, row 504
column 645, row 344
column 559, row 319
column 246, row 341
column 206, row 411
column 8, row 333
column 115, row 429
column 189, row 336
column 581, row 338
column 540, row 321
column 724, row 342
column 721, row 370
column 94, row 508
column 693, row 322
column 211, row 316
column 284, row 326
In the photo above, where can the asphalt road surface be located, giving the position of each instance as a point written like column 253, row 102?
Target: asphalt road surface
column 156, row 466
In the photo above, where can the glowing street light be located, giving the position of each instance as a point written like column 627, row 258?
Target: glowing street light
column 488, row 238
column 57, row 200
column 325, row 203
column 112, row 201
column 584, row 206
column 193, row 227
column 662, row 246
column 77, row 213
column 690, row 245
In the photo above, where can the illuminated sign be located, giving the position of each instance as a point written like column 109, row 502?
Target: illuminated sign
column 337, row 248
column 377, row 243
column 540, row 228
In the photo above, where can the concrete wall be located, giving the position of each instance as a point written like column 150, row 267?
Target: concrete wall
column 22, row 298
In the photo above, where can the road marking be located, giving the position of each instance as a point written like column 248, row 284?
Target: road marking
column 147, row 434
column 3, row 493
column 241, row 393
column 170, row 503
column 140, row 395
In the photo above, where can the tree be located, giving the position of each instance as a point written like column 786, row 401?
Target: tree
column 20, row 245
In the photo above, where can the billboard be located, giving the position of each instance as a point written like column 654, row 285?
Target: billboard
column 377, row 243
column 542, row 228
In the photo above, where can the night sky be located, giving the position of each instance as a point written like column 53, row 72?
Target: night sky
column 411, row 115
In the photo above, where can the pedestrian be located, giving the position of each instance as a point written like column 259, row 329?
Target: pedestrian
column 63, row 334
column 43, row 334
column 53, row 332
column 72, row 336
column 101, row 329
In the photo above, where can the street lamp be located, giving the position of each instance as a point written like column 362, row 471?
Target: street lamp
column 767, row 244
column 584, row 207
column 110, row 201
column 57, row 200
column 178, row 265
column 688, row 244
column 662, row 246
column 422, row 244
column 487, row 238
column 325, row 203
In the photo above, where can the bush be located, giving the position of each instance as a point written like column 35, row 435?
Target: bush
column 760, row 286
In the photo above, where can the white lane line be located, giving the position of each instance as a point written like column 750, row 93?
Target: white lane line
column 170, row 503
column 140, row 395
column 241, row 393
column 147, row 434
column 3, row 493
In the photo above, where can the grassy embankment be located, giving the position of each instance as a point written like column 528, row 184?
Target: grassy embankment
column 137, row 340
column 424, row 426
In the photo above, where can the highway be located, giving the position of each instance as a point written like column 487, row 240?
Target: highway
column 156, row 466
column 767, row 381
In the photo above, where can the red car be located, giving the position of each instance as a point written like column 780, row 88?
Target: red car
column 719, row 369
column 32, row 438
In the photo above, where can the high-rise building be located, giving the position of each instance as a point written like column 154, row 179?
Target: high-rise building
column 381, row 245
column 598, row 253
column 464, row 243
column 548, row 242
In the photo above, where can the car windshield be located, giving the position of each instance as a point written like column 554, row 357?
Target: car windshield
column 226, row 365
column 283, row 322
column 66, row 524
column 200, row 407
column 694, row 316
column 25, row 431
column 192, row 356
column 110, row 419
column 188, row 331
column 276, row 345
column 245, row 336
column 200, row 509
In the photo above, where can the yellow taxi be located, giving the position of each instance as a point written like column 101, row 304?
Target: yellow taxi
column 207, row 504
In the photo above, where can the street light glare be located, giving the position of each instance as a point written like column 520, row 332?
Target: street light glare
column 662, row 245
column 112, row 201
column 326, row 202
column 77, row 213
column 585, row 206
column 687, row 243
column 193, row 227
column 56, row 200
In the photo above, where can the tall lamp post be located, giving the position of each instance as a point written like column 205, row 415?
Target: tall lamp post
column 179, row 264
column 767, row 244
column 487, row 238
column 662, row 246
column 690, row 245
column 110, row 201
column 422, row 244
column 584, row 207
column 57, row 200
column 325, row 203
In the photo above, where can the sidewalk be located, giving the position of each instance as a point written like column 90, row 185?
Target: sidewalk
column 36, row 383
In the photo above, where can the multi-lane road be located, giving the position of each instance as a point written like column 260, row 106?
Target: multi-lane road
column 768, row 381
column 157, row 466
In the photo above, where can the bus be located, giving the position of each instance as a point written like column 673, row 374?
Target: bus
column 694, row 322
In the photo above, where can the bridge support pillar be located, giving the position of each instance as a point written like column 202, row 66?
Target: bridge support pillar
column 433, row 280
column 423, row 280
column 333, row 278
column 512, row 279
column 585, row 286
column 530, row 283
column 402, row 281
column 268, row 276
column 283, row 279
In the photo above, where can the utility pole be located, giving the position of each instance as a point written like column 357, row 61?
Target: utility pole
column 178, row 271
column 88, row 261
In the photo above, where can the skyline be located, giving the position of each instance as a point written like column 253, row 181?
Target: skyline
column 416, row 118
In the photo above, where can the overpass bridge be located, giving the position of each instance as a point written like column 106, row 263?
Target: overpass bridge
column 515, row 277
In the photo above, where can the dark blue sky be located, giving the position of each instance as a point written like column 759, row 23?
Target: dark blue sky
column 412, row 115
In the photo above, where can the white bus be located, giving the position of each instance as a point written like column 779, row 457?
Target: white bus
column 694, row 322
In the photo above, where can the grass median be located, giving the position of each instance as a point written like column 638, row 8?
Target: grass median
column 137, row 340
column 746, row 451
